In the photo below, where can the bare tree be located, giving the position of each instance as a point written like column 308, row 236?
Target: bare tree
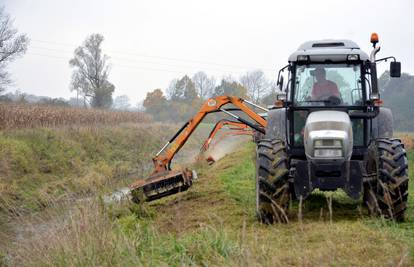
column 121, row 102
column 271, row 95
column 204, row 85
column 12, row 45
column 90, row 76
column 256, row 84
column 182, row 90
column 172, row 91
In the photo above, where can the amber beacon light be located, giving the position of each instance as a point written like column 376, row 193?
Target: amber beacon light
column 374, row 38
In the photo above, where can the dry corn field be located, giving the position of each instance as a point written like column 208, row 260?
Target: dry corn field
column 14, row 116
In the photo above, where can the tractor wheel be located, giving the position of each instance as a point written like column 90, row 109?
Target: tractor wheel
column 387, row 191
column 257, row 136
column 272, row 185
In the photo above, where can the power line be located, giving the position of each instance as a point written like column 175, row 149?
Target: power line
column 160, row 57
column 148, row 62
column 125, row 66
column 128, row 60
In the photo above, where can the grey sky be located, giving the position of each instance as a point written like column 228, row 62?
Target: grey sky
column 151, row 42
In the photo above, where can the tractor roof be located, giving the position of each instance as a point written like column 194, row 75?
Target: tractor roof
column 328, row 50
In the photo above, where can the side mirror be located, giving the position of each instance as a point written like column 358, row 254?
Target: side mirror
column 281, row 97
column 280, row 83
column 395, row 69
column 280, row 100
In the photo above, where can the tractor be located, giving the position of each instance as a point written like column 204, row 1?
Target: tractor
column 327, row 130
column 330, row 132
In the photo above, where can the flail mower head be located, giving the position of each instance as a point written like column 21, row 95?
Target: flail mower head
column 161, row 184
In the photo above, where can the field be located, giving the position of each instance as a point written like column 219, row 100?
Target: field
column 54, row 211
column 211, row 224
column 15, row 116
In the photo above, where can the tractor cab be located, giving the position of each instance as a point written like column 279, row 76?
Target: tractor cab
column 332, row 75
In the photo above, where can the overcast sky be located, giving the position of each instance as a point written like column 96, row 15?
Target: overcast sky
column 151, row 42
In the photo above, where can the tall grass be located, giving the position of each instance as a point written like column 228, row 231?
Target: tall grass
column 14, row 116
column 41, row 165
column 49, row 182
column 92, row 234
column 211, row 224
column 407, row 139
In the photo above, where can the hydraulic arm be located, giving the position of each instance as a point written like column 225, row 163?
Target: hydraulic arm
column 163, row 181
column 238, row 128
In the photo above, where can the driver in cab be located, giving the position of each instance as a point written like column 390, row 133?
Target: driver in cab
column 323, row 88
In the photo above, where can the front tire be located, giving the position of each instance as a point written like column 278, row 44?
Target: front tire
column 273, row 192
column 386, row 194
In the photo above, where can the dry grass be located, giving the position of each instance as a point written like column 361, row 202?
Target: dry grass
column 211, row 224
column 407, row 139
column 40, row 164
column 16, row 116
column 79, row 236
column 49, row 177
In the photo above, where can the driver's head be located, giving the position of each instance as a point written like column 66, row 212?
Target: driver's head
column 320, row 74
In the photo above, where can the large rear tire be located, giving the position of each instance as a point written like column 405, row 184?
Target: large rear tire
column 273, row 192
column 387, row 192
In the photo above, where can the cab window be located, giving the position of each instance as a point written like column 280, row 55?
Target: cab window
column 328, row 84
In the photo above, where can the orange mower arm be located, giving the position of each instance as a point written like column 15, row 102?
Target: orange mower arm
column 238, row 126
column 163, row 181
column 162, row 161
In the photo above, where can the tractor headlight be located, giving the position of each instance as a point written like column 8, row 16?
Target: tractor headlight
column 303, row 58
column 353, row 57
column 328, row 143
column 328, row 148
column 328, row 153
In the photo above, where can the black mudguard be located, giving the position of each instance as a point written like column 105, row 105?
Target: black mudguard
column 383, row 124
column 276, row 124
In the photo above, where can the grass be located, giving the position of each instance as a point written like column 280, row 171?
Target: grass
column 407, row 138
column 404, row 230
column 225, row 200
column 39, row 165
column 43, row 165
column 213, row 223
column 56, row 177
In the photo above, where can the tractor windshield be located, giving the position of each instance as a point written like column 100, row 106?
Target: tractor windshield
column 328, row 85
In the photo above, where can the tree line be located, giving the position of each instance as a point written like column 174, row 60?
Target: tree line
column 398, row 94
column 184, row 96
column 90, row 81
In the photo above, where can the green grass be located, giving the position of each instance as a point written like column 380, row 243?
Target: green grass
column 213, row 223
column 404, row 230
column 237, row 181
column 41, row 165
column 348, row 215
